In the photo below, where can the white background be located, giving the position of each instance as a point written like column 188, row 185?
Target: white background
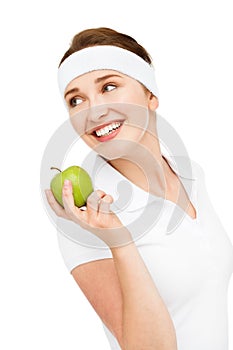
column 191, row 44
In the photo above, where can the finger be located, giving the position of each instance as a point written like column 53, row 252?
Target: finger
column 104, row 204
column 72, row 212
column 57, row 208
column 68, row 199
column 93, row 201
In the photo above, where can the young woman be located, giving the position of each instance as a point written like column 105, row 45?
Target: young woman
column 151, row 289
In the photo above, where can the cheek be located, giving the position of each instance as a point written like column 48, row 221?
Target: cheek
column 137, row 97
column 137, row 119
column 88, row 141
column 78, row 121
column 132, row 133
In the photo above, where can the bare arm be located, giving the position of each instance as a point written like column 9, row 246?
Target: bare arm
column 99, row 282
column 146, row 323
column 141, row 320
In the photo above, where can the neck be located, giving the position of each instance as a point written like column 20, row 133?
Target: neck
column 145, row 165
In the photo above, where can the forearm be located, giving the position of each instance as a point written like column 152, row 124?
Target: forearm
column 146, row 323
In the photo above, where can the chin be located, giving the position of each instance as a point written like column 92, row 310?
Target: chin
column 117, row 148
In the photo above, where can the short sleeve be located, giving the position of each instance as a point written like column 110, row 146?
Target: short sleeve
column 75, row 253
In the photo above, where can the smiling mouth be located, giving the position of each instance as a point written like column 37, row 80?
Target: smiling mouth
column 107, row 130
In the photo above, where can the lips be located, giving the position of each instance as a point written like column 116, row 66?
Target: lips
column 105, row 128
column 106, row 131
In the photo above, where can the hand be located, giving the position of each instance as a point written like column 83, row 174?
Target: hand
column 97, row 218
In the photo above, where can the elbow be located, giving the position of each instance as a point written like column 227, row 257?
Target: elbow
column 148, row 347
column 166, row 343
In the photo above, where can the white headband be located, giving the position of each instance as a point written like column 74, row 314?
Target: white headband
column 106, row 57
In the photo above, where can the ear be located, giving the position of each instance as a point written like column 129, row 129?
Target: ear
column 153, row 102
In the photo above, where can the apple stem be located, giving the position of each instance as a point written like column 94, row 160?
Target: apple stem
column 52, row 168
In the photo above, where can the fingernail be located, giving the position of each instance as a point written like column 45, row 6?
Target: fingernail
column 66, row 183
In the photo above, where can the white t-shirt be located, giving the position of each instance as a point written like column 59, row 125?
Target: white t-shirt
column 190, row 260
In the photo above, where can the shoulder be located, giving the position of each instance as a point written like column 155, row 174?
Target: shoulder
column 185, row 167
column 198, row 169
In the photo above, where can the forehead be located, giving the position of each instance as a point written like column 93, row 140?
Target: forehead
column 92, row 77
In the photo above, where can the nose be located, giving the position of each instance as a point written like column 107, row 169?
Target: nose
column 95, row 113
column 97, row 109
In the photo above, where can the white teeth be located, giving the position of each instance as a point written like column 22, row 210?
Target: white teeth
column 107, row 129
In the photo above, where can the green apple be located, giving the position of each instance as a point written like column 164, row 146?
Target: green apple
column 81, row 183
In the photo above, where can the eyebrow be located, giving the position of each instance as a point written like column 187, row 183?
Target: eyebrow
column 97, row 80
column 71, row 91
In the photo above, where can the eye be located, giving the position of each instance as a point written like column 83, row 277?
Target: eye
column 109, row 87
column 75, row 101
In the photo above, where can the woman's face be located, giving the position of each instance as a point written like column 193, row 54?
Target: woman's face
column 108, row 108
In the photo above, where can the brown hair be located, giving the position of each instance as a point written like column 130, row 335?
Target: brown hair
column 105, row 36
